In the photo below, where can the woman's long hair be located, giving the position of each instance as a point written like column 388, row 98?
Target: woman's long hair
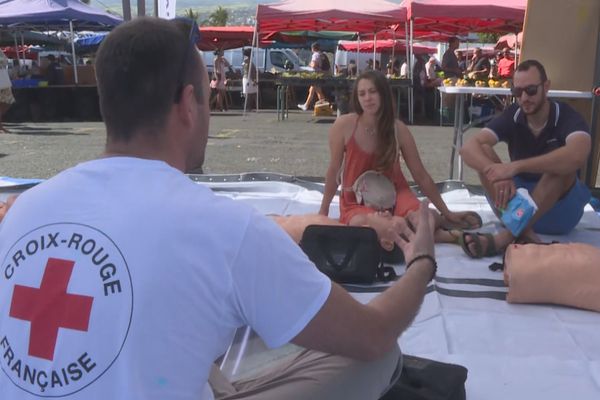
column 386, row 149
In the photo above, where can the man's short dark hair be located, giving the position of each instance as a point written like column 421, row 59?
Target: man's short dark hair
column 525, row 65
column 315, row 46
column 139, row 68
column 452, row 39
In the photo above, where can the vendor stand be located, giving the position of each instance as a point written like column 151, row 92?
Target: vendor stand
column 342, row 86
column 460, row 127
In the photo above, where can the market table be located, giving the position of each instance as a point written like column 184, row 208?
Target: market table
column 341, row 85
column 459, row 114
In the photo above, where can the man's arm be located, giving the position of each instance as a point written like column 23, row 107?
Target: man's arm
column 562, row 161
column 473, row 151
column 565, row 160
column 346, row 327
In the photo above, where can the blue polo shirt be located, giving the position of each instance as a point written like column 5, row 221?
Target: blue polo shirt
column 511, row 127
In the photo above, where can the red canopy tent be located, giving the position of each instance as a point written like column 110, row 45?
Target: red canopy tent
column 330, row 15
column 463, row 16
column 383, row 46
column 225, row 37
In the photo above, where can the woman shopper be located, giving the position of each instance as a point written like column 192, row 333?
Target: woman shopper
column 366, row 149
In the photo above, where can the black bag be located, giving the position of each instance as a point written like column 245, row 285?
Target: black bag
column 346, row 254
column 325, row 64
column 424, row 379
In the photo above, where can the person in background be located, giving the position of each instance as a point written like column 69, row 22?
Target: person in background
column 316, row 65
column 221, row 65
column 55, row 75
column 548, row 143
column 352, row 68
column 450, row 61
column 374, row 139
column 142, row 302
column 506, row 65
column 431, row 71
column 479, row 68
column 249, row 82
column 462, row 62
column 6, row 96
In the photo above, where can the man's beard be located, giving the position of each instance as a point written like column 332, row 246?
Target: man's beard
column 536, row 106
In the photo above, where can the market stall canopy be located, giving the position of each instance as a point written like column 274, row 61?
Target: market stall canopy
column 89, row 43
column 330, row 15
column 384, row 46
column 54, row 13
column 509, row 41
column 224, row 37
column 7, row 38
column 463, row 16
column 25, row 52
column 307, row 36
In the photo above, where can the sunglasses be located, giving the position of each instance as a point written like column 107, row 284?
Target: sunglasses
column 531, row 90
column 193, row 38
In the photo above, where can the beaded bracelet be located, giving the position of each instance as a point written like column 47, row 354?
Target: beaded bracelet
column 424, row 256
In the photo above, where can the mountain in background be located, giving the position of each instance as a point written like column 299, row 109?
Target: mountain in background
column 241, row 12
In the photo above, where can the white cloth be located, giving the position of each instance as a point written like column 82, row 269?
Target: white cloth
column 249, row 86
column 315, row 60
column 154, row 272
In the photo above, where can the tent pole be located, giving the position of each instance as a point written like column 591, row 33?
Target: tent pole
column 375, row 50
column 358, row 57
column 16, row 44
column 73, row 52
column 254, row 59
column 410, row 68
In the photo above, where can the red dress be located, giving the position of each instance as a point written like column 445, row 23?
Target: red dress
column 357, row 161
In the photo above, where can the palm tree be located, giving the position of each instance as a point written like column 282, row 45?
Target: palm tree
column 218, row 17
column 191, row 14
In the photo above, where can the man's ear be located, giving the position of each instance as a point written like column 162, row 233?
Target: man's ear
column 547, row 85
column 187, row 104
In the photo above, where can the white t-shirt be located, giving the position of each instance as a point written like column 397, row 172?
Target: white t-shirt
column 315, row 60
column 123, row 279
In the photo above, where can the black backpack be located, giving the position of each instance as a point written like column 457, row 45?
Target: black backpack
column 325, row 65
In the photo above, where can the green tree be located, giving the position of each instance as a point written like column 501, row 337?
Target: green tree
column 488, row 37
column 191, row 14
column 218, row 17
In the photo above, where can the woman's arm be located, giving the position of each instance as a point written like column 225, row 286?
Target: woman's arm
column 409, row 151
column 336, row 152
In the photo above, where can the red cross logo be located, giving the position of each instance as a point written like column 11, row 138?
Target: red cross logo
column 50, row 307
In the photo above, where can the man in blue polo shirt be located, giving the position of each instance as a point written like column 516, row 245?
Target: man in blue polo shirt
column 548, row 142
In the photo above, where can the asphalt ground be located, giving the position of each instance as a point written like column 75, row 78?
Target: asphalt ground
column 257, row 142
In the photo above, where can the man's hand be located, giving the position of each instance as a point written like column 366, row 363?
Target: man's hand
column 421, row 241
column 5, row 206
column 504, row 190
column 500, row 171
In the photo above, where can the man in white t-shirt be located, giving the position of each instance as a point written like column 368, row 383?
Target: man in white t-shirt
column 123, row 279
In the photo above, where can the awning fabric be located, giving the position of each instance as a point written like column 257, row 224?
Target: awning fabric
column 463, row 16
column 54, row 13
column 330, row 15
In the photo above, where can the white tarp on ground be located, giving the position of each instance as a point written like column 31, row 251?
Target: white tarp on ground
column 512, row 351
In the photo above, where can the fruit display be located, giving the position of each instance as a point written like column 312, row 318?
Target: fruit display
column 449, row 81
column 499, row 83
column 303, row 75
column 464, row 82
column 480, row 83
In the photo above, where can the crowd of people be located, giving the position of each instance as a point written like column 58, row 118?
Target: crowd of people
column 155, row 297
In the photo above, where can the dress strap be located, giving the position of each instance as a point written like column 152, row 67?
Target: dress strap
column 340, row 175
